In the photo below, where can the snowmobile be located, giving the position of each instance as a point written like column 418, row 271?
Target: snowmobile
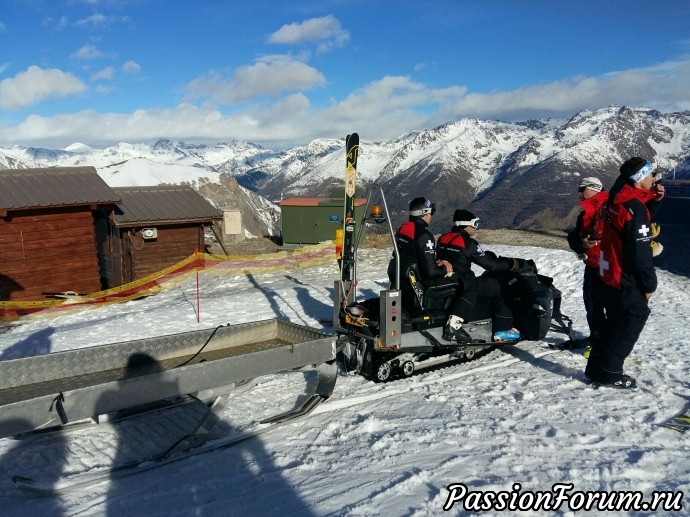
column 401, row 330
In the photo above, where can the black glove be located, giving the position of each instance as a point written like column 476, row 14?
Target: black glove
column 575, row 241
column 527, row 267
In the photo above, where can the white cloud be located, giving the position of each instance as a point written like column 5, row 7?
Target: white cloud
column 664, row 86
column 98, row 20
column 104, row 74
column 385, row 109
column 327, row 31
column 131, row 67
column 95, row 20
column 382, row 109
column 269, row 76
column 3, row 27
column 269, row 108
column 37, row 84
column 88, row 51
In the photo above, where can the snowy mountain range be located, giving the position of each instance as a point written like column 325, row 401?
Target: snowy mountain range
column 516, row 175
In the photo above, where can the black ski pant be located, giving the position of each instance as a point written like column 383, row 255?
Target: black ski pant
column 627, row 311
column 594, row 301
column 483, row 289
column 462, row 304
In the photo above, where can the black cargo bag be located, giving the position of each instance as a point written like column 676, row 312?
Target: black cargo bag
column 533, row 300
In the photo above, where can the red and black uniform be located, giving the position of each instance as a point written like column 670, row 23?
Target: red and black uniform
column 461, row 250
column 626, row 254
column 627, row 271
column 417, row 245
column 590, row 225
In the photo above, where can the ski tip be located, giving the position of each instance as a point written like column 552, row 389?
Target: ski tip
column 674, row 427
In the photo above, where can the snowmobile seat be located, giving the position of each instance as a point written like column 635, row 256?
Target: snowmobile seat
column 418, row 299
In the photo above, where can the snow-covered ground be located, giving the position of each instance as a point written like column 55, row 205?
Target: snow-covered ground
column 516, row 420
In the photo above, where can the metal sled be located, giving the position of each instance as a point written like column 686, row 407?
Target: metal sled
column 61, row 388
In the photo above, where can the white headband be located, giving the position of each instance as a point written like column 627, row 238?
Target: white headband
column 645, row 171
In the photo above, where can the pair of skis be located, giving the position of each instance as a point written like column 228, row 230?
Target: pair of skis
column 348, row 258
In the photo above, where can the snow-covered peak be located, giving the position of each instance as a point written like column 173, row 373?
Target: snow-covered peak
column 459, row 162
column 79, row 148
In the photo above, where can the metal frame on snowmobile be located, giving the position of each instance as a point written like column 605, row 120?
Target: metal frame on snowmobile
column 383, row 340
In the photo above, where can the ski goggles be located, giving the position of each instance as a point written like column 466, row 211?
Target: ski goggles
column 427, row 208
column 645, row 171
column 474, row 223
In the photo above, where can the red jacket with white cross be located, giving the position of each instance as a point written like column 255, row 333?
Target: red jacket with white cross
column 625, row 259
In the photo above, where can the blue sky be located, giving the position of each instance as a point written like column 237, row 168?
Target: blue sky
column 283, row 73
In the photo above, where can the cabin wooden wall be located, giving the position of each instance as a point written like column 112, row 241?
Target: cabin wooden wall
column 42, row 252
column 143, row 257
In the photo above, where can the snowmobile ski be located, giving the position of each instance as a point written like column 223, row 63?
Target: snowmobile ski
column 201, row 440
column 80, row 481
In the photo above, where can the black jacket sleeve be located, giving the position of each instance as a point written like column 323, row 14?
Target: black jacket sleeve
column 637, row 250
column 653, row 206
column 575, row 236
column 487, row 260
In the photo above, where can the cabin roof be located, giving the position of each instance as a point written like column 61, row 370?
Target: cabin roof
column 163, row 204
column 22, row 189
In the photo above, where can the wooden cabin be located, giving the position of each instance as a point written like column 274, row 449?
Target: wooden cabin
column 48, row 218
column 154, row 228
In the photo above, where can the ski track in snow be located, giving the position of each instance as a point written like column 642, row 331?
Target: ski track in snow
column 513, row 414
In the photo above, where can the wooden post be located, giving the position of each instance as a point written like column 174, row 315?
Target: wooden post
column 198, row 299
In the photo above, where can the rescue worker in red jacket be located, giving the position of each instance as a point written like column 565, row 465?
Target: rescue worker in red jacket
column 460, row 249
column 417, row 245
column 585, row 240
column 626, row 269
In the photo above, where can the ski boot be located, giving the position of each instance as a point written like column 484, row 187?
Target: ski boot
column 458, row 335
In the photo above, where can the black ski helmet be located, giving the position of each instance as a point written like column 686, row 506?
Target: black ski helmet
column 421, row 206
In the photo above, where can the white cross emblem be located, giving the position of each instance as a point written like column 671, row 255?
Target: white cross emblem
column 644, row 231
column 603, row 265
column 430, row 245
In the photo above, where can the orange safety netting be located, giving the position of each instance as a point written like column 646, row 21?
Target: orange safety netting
column 315, row 255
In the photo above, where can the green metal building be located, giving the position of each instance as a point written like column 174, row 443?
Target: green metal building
column 310, row 220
